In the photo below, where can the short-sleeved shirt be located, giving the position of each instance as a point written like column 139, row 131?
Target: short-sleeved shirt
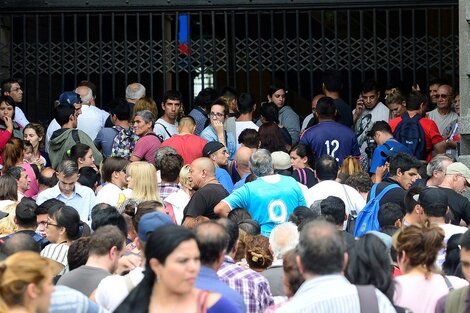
column 367, row 118
column 188, row 146
column 431, row 132
column 84, row 279
column 378, row 159
column 270, row 200
column 332, row 138
column 165, row 130
column 146, row 147
column 204, row 200
column 445, row 123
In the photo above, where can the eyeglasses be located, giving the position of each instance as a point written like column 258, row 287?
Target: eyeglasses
column 15, row 89
column 42, row 223
column 216, row 114
column 51, row 224
column 443, row 96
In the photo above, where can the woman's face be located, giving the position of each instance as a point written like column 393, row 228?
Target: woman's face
column 87, row 160
column 296, row 161
column 43, row 300
column 181, row 268
column 130, row 180
column 53, row 231
column 6, row 110
column 278, row 97
column 141, row 127
column 30, row 135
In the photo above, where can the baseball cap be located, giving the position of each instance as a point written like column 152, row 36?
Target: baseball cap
column 431, row 196
column 69, row 97
column 459, row 168
column 149, row 222
column 281, row 160
column 211, row 147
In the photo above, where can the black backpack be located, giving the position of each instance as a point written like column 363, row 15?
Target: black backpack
column 410, row 133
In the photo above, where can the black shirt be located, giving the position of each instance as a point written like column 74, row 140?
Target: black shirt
column 204, row 200
column 395, row 195
column 459, row 206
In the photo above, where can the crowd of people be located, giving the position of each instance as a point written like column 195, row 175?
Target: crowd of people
column 349, row 209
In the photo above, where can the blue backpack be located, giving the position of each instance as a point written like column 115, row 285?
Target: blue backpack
column 410, row 133
column 367, row 219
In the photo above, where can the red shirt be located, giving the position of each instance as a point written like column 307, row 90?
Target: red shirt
column 188, row 146
column 431, row 132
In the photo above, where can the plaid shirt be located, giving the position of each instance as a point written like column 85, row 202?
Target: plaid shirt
column 252, row 286
column 167, row 189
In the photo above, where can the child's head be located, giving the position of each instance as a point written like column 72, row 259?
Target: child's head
column 27, row 151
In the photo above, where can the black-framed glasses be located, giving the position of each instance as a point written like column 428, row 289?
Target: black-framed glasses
column 443, row 96
column 216, row 114
column 51, row 224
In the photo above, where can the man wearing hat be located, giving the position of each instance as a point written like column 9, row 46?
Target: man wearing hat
column 113, row 289
column 434, row 201
column 209, row 192
column 387, row 146
column 70, row 98
column 217, row 152
column 455, row 182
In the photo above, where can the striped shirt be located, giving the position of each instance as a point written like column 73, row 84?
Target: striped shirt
column 57, row 252
column 330, row 294
column 251, row 285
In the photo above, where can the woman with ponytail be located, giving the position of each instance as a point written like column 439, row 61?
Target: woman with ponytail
column 422, row 284
column 26, row 283
column 63, row 226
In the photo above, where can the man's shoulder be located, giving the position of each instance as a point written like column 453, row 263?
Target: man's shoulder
column 233, row 271
column 83, row 190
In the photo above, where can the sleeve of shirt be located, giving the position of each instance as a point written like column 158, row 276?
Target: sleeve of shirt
column 376, row 161
column 98, row 140
column 237, row 199
column 226, row 181
column 292, row 123
column 5, row 135
column 264, row 294
column 433, row 133
column 355, row 147
column 140, row 148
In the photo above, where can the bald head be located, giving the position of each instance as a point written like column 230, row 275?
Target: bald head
column 204, row 164
column 242, row 159
column 202, row 172
column 86, row 95
column 187, row 125
column 315, row 100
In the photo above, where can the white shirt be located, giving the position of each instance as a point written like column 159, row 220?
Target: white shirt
column 111, row 194
column 92, row 120
column 306, row 121
column 178, row 201
column 53, row 126
column 165, row 130
column 449, row 231
column 241, row 126
column 20, row 118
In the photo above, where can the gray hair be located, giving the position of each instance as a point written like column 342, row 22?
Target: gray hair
column 283, row 237
column 135, row 91
column 68, row 168
column 261, row 163
column 147, row 116
column 436, row 163
column 161, row 152
column 15, row 172
column 89, row 95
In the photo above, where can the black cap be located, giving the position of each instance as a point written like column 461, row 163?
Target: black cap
column 430, row 196
column 211, row 147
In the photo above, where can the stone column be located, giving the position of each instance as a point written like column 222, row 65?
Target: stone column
column 5, row 46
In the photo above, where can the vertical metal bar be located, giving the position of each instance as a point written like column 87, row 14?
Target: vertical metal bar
column 227, row 58
column 361, row 30
column 336, row 41
column 88, row 46
column 62, row 40
column 189, row 56
column 12, row 48
column 151, row 55
column 36, row 100
column 400, row 24
column 260, row 65
column 100, row 55
column 413, row 35
column 247, row 54
column 202, row 50
column 214, row 50
column 233, row 54
column 323, row 41
column 440, row 41
column 284, row 35
column 310, row 53
column 175, row 51
column 426, row 35
column 126, row 56
column 165, row 56
column 454, row 59
column 273, row 51
column 75, row 54
column 297, row 43
column 350, row 100
column 374, row 32
column 24, row 72
column 113, row 54
column 137, row 16
column 387, row 36
column 49, row 66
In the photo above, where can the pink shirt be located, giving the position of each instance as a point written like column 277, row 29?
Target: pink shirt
column 419, row 294
column 146, row 147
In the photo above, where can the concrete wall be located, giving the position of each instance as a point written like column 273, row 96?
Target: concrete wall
column 464, row 73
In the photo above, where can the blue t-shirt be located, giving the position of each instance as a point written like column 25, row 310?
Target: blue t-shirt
column 378, row 159
column 332, row 138
column 270, row 200
column 224, row 179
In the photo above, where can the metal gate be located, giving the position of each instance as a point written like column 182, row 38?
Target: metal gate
column 188, row 47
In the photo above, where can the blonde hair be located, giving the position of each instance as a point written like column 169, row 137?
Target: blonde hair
column 395, row 96
column 144, row 176
column 7, row 224
column 146, row 103
column 184, row 176
column 17, row 272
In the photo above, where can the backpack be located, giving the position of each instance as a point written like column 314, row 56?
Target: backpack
column 410, row 133
column 124, row 142
column 367, row 219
